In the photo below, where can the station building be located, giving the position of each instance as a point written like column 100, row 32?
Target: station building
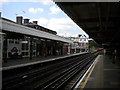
column 29, row 39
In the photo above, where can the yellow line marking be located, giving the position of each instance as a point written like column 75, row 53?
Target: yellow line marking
column 86, row 79
column 111, row 69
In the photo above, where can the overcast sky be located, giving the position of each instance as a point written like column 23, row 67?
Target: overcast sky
column 46, row 12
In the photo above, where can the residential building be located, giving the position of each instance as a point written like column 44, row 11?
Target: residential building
column 80, row 44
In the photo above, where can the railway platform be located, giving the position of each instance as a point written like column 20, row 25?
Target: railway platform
column 105, row 73
column 26, row 61
column 22, row 61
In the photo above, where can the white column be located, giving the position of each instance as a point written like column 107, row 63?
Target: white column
column 75, row 49
column 69, row 48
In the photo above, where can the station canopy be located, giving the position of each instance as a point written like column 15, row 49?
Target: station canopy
column 100, row 20
column 13, row 27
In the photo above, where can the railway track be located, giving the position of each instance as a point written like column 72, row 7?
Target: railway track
column 58, row 83
column 53, row 75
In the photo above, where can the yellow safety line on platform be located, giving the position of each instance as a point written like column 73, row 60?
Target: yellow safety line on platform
column 84, row 82
column 111, row 69
column 86, row 79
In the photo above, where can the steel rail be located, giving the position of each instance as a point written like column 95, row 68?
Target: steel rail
column 67, row 74
column 56, row 69
column 24, row 77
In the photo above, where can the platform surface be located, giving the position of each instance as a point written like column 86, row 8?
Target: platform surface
column 106, row 73
column 26, row 61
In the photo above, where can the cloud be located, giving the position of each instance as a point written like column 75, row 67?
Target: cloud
column 35, row 10
column 54, row 10
column 46, row 2
column 60, row 24
column 3, row 1
column 64, row 26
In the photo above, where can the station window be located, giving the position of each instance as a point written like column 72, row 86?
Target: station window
column 16, row 41
column 80, row 44
column 11, row 41
column 34, row 53
column 24, row 46
column 26, row 53
column 34, row 45
column 23, row 53
column 80, row 39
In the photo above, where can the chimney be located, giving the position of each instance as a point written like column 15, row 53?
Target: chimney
column 79, row 35
column 35, row 22
column 26, row 21
column 19, row 19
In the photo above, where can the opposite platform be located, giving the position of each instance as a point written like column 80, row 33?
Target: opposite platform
column 27, row 61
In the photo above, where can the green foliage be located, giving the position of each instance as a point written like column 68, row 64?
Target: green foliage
column 93, row 45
